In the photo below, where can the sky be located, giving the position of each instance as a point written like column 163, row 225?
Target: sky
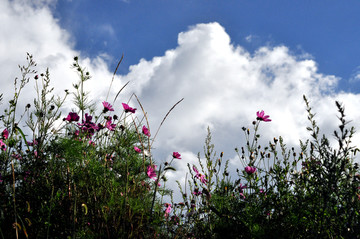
column 227, row 59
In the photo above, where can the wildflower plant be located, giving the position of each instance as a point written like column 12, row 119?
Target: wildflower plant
column 79, row 175
column 83, row 173
column 279, row 193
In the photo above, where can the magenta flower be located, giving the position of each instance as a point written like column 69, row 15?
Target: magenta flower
column 197, row 192
column 199, row 175
column 5, row 134
column 72, row 117
column 109, row 124
column 262, row 117
column 87, row 126
column 127, row 108
column 34, row 142
column 2, row 145
column 137, row 149
column 250, row 170
column 151, row 172
column 240, row 188
column 107, row 106
column 176, row 155
column 88, row 118
column 146, row 131
column 167, row 210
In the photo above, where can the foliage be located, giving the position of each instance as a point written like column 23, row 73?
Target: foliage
column 279, row 193
column 76, row 177
column 91, row 175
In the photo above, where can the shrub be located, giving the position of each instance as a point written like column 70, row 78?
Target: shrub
column 83, row 176
column 278, row 193
column 89, row 174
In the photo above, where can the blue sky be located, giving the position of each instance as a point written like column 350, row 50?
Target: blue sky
column 328, row 30
column 227, row 59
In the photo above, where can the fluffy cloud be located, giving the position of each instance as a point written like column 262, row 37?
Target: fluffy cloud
column 224, row 86
column 29, row 26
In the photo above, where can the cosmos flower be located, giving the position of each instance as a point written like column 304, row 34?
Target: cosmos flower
column 197, row 192
column 167, row 210
column 146, row 131
column 109, row 124
column 5, row 134
column 176, row 155
column 137, row 149
column 72, row 117
column 127, row 108
column 2, row 145
column 262, row 117
column 250, row 170
column 107, row 106
column 199, row 175
column 151, row 172
column 240, row 188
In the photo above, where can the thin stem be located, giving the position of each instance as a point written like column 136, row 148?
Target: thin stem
column 14, row 200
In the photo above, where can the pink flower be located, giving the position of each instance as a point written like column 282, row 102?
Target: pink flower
column 167, row 210
column 107, row 107
column 72, row 117
column 5, row 134
column 127, row 108
column 34, row 142
column 2, row 145
column 241, row 187
column 250, row 170
column 146, row 131
column 197, row 192
column 137, row 149
column 262, row 117
column 199, row 175
column 151, row 172
column 262, row 191
column 176, row 155
column 109, row 124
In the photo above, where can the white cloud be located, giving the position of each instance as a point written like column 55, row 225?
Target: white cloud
column 250, row 38
column 223, row 84
column 29, row 26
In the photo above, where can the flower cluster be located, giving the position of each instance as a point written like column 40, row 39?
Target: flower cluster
column 72, row 117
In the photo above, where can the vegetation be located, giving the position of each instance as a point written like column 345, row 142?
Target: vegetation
column 91, row 175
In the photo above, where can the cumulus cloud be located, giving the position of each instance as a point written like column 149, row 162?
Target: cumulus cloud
column 224, row 85
column 29, row 26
